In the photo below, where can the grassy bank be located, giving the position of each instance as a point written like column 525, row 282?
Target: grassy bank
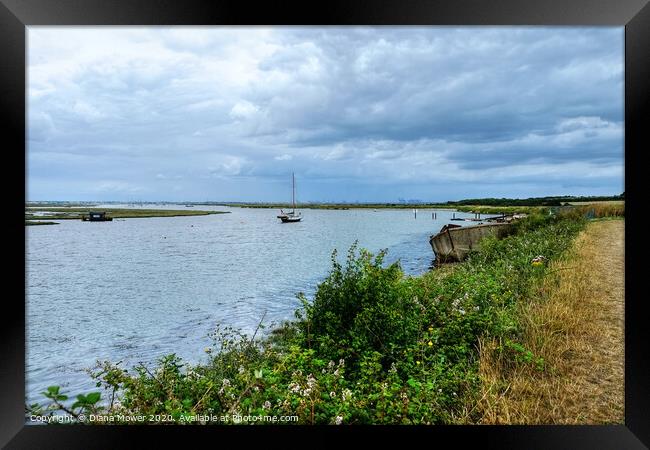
column 602, row 209
column 574, row 322
column 503, row 209
column 590, row 209
column 342, row 205
column 39, row 222
column 117, row 213
column 372, row 346
column 463, row 208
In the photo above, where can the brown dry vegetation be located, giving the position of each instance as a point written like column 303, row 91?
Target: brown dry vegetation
column 604, row 209
column 575, row 322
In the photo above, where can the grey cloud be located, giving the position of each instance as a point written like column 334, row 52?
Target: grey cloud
column 352, row 104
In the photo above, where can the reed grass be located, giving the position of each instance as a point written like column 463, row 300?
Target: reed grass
column 117, row 213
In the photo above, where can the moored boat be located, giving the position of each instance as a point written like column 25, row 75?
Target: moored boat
column 291, row 216
column 95, row 216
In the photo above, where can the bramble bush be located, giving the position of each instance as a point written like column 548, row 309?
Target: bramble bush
column 373, row 345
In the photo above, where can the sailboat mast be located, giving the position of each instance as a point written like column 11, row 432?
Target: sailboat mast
column 293, row 191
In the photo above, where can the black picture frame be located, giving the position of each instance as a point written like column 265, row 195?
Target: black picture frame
column 634, row 15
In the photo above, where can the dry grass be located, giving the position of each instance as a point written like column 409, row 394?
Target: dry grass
column 602, row 202
column 575, row 323
column 604, row 209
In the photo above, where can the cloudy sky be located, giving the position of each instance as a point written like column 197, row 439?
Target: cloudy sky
column 359, row 114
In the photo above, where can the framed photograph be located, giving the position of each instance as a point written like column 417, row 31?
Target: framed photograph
column 257, row 220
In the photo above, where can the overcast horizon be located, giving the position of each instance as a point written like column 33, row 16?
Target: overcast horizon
column 360, row 114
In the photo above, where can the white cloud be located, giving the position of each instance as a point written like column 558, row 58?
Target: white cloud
column 243, row 110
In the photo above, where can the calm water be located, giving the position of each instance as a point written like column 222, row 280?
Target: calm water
column 137, row 289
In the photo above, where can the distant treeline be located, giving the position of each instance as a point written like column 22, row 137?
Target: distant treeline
column 535, row 201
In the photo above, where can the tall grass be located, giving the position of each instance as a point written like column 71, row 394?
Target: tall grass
column 603, row 209
column 572, row 326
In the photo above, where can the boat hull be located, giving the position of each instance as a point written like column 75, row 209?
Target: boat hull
column 286, row 219
column 453, row 243
column 105, row 219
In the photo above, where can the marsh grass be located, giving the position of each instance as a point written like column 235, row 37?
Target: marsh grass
column 39, row 222
column 117, row 213
column 481, row 209
column 603, row 209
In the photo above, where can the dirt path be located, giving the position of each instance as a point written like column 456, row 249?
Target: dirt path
column 576, row 324
column 600, row 370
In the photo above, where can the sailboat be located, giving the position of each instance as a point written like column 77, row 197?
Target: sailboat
column 291, row 216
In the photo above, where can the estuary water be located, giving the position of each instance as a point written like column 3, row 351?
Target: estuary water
column 133, row 290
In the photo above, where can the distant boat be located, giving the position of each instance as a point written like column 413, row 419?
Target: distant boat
column 94, row 216
column 291, row 216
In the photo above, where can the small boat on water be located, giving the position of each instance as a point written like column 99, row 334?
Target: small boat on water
column 453, row 242
column 291, row 216
column 96, row 216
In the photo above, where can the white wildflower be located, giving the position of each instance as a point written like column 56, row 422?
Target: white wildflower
column 332, row 394
column 241, row 369
column 330, row 364
column 225, row 382
column 347, row 394
column 338, row 420
column 266, row 405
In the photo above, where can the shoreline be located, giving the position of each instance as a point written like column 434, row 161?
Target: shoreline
column 63, row 213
